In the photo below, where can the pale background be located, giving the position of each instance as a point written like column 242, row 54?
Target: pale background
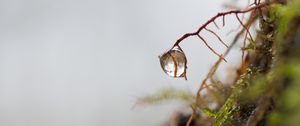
column 85, row 62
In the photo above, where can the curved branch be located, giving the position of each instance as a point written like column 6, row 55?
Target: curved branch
column 191, row 117
column 217, row 63
column 220, row 15
column 216, row 25
column 211, row 48
column 246, row 28
column 217, row 36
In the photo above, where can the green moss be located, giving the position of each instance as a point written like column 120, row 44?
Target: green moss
column 285, row 14
column 209, row 113
column 287, row 111
column 228, row 109
column 257, row 88
column 271, row 84
column 168, row 94
column 288, row 102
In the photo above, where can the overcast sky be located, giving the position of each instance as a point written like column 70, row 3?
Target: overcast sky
column 84, row 62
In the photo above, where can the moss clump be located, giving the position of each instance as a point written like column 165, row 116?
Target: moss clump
column 274, row 94
column 267, row 88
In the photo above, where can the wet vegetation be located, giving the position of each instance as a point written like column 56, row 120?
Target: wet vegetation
column 266, row 90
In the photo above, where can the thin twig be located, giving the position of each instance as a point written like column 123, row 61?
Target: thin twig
column 221, row 57
column 211, row 48
column 244, row 46
column 219, row 15
column 247, row 30
column 217, row 63
column 217, row 36
column 191, row 117
column 216, row 25
column 212, row 20
column 223, row 19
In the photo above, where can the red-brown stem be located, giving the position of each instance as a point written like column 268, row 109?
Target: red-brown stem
column 214, row 68
column 223, row 19
column 247, row 30
column 217, row 16
column 191, row 117
column 211, row 72
column 211, row 48
column 244, row 46
column 175, row 64
column 217, row 36
column 216, row 25
column 217, row 63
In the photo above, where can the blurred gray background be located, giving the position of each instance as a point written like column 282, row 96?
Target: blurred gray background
column 85, row 62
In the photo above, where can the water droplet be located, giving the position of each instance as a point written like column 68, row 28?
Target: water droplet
column 174, row 62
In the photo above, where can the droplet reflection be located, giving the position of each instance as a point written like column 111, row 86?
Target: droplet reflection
column 174, row 62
